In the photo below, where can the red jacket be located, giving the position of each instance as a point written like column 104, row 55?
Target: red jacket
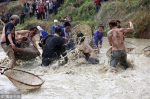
column 41, row 9
column 97, row 1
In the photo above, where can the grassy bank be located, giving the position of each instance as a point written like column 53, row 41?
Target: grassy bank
column 83, row 11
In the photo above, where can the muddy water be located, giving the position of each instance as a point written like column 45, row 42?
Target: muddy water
column 79, row 80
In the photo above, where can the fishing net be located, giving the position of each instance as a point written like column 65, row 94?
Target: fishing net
column 26, row 53
column 146, row 51
column 128, row 48
column 23, row 80
column 83, row 28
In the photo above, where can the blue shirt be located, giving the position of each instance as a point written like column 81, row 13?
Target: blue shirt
column 97, row 38
column 64, row 33
column 53, row 28
column 43, row 34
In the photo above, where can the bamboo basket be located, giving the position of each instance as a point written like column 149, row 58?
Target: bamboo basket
column 83, row 28
column 128, row 48
column 26, row 53
column 23, row 80
column 146, row 51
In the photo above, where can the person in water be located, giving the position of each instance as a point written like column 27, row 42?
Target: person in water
column 54, row 47
column 98, row 37
column 30, row 37
column 8, row 41
column 116, row 40
column 43, row 34
column 87, row 50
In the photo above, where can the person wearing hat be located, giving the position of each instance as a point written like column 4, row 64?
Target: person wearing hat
column 86, row 49
column 8, row 41
column 43, row 34
column 54, row 26
column 98, row 36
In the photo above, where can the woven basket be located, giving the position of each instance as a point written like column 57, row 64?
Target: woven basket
column 128, row 48
column 82, row 28
column 26, row 53
column 146, row 51
column 23, row 80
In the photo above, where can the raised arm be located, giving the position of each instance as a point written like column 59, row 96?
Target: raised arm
column 126, row 30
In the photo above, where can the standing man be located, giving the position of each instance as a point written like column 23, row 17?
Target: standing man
column 54, row 26
column 8, row 41
column 118, row 24
column 98, row 37
column 54, row 47
column 97, row 4
column 115, row 39
column 66, row 36
column 55, row 7
column 26, row 6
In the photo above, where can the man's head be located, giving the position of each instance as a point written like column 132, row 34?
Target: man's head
column 14, row 19
column 33, row 31
column 112, row 23
column 118, row 22
column 101, row 27
column 67, row 26
column 58, row 31
column 56, row 22
column 80, row 38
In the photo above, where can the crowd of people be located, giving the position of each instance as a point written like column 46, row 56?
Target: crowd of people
column 56, row 42
column 42, row 8
column 60, row 40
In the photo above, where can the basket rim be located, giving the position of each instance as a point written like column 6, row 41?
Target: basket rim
column 23, row 82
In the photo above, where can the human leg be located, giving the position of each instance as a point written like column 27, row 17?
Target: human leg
column 10, row 53
column 123, row 61
column 115, row 55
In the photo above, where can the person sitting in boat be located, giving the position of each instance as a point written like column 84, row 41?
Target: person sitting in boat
column 54, row 46
column 98, row 37
column 29, row 34
column 87, row 50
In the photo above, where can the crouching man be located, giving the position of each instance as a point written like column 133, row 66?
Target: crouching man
column 54, row 46
column 87, row 50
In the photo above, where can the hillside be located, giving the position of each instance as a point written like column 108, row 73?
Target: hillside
column 83, row 11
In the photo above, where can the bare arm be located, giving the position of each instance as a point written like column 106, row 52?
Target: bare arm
column 22, row 32
column 34, row 43
column 125, row 30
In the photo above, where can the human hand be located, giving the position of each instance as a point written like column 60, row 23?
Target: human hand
column 24, row 38
column 95, row 46
column 99, row 46
column 12, row 45
column 130, row 22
